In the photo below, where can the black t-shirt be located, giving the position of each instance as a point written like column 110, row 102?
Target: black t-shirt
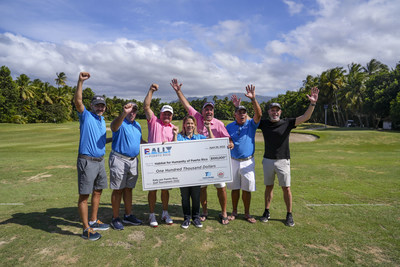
column 276, row 137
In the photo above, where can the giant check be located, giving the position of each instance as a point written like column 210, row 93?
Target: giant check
column 185, row 163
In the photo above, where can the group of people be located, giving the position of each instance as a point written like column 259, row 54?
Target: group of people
column 126, row 140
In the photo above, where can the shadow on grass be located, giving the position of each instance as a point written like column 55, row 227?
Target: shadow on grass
column 53, row 220
column 141, row 211
column 276, row 220
column 56, row 220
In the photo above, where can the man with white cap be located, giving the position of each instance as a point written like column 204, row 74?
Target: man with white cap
column 219, row 130
column 160, row 131
column 123, row 162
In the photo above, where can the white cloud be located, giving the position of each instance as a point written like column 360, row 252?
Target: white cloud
column 216, row 59
column 229, row 36
column 344, row 32
column 124, row 68
column 294, row 8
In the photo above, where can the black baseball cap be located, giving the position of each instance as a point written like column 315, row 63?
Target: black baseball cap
column 240, row 108
column 274, row 105
column 98, row 99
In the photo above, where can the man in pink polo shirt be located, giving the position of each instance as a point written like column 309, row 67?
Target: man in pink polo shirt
column 160, row 131
column 219, row 130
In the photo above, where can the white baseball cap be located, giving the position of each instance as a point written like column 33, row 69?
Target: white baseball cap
column 167, row 108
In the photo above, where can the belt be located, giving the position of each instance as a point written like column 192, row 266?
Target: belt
column 122, row 156
column 90, row 158
column 244, row 159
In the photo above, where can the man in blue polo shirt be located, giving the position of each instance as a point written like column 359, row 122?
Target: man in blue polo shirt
column 242, row 132
column 123, row 162
column 92, row 177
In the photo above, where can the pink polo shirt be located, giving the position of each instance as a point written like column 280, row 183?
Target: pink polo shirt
column 158, row 131
column 217, row 126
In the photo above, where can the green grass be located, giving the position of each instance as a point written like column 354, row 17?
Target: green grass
column 353, row 174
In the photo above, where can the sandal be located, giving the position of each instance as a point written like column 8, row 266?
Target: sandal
column 223, row 220
column 233, row 216
column 203, row 217
column 250, row 219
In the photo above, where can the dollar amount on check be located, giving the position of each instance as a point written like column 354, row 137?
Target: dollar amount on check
column 185, row 163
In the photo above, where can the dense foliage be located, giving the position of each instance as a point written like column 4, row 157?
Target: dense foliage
column 367, row 95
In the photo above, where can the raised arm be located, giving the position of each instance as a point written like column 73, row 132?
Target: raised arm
column 251, row 93
column 313, row 100
column 236, row 102
column 207, row 124
column 116, row 123
column 177, row 87
column 83, row 76
column 147, row 101
column 175, row 131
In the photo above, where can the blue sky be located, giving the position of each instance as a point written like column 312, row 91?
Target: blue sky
column 212, row 47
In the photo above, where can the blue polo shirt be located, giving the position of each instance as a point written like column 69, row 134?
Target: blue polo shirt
column 194, row 137
column 126, row 140
column 92, row 140
column 243, row 137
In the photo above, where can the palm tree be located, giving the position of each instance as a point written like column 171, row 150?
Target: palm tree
column 331, row 84
column 355, row 90
column 26, row 91
column 46, row 94
column 62, row 92
column 63, row 95
column 61, row 79
column 310, row 82
column 375, row 66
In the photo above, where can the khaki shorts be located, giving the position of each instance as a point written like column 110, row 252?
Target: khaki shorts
column 243, row 175
column 280, row 167
column 123, row 172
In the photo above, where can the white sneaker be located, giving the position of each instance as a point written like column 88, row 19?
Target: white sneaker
column 153, row 220
column 166, row 218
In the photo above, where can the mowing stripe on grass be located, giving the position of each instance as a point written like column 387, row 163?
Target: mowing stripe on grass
column 346, row 205
column 11, row 204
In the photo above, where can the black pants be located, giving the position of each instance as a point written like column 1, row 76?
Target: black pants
column 192, row 192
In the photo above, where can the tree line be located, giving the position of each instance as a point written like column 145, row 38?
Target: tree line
column 365, row 94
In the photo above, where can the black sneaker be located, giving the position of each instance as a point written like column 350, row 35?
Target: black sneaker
column 185, row 224
column 265, row 217
column 197, row 223
column 131, row 219
column 289, row 220
column 117, row 224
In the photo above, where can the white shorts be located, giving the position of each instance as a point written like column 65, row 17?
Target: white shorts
column 123, row 172
column 243, row 175
column 219, row 185
column 280, row 167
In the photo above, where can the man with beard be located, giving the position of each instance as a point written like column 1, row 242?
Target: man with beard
column 92, row 177
column 276, row 160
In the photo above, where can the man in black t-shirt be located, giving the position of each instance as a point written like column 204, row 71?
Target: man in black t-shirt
column 276, row 160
